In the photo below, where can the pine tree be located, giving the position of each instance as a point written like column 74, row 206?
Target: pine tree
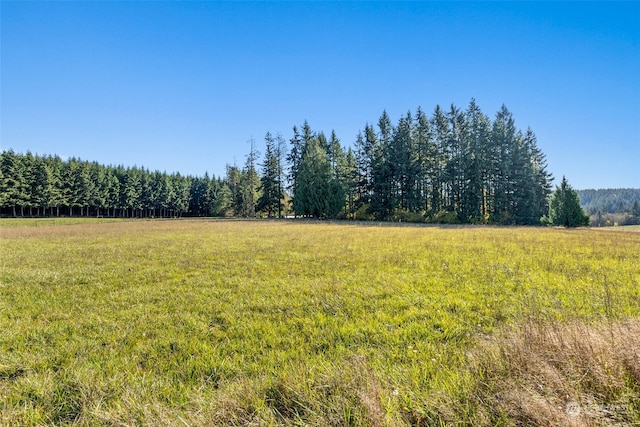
column 15, row 186
column 40, row 186
column 441, row 136
column 281, row 156
column 199, row 196
column 367, row 150
column 522, row 183
column 220, row 197
column 182, row 186
column 503, row 136
column 336, row 154
column 564, row 207
column 84, row 187
column 403, row 165
column 131, row 191
column 348, row 177
column 112, row 197
column 29, row 172
column 233, row 178
column 383, row 193
column 3, row 188
column 250, row 182
column 454, row 178
column 270, row 185
column 476, row 165
column 317, row 194
column 425, row 158
column 294, row 157
column 542, row 178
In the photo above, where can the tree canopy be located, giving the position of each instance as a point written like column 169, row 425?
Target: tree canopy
column 453, row 166
column 564, row 207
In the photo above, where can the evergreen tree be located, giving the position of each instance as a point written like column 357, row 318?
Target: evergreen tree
column 199, row 196
column 3, row 189
column 425, row 158
column 270, row 181
column 522, row 183
column 367, row 150
column 112, row 197
column 182, row 187
column 503, row 139
column 564, row 207
column 29, row 166
column 294, row 158
column 220, row 196
column 280, row 155
column 383, row 191
column 84, row 187
column 403, row 166
column 249, row 182
column 40, row 186
column 441, row 136
column 476, row 165
column 348, row 177
column 69, row 185
column 336, row 154
column 15, row 187
column 233, row 179
column 454, row 178
column 318, row 194
column 542, row 177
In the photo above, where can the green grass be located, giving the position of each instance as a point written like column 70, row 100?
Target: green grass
column 227, row 322
column 52, row 221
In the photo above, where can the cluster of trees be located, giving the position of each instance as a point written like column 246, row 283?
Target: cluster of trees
column 454, row 166
column 48, row 186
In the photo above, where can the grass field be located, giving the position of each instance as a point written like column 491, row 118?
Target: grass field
column 292, row 323
column 52, row 221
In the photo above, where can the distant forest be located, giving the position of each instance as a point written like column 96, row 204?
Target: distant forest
column 612, row 200
column 454, row 166
column 616, row 206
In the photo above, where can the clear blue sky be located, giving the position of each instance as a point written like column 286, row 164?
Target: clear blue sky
column 183, row 86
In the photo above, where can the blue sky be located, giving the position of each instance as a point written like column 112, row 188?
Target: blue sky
column 183, row 86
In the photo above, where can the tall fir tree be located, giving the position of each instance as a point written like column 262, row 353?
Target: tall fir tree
column 503, row 139
column 476, row 165
column 270, row 185
column 564, row 207
column 317, row 194
column 441, row 136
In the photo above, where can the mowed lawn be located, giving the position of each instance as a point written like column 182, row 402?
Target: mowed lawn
column 280, row 322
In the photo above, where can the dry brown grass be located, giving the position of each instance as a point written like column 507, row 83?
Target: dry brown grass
column 345, row 394
column 529, row 374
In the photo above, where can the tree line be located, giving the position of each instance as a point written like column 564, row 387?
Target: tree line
column 33, row 185
column 612, row 200
column 452, row 166
column 615, row 206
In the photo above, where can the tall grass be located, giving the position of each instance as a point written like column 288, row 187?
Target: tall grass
column 288, row 323
column 552, row 373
